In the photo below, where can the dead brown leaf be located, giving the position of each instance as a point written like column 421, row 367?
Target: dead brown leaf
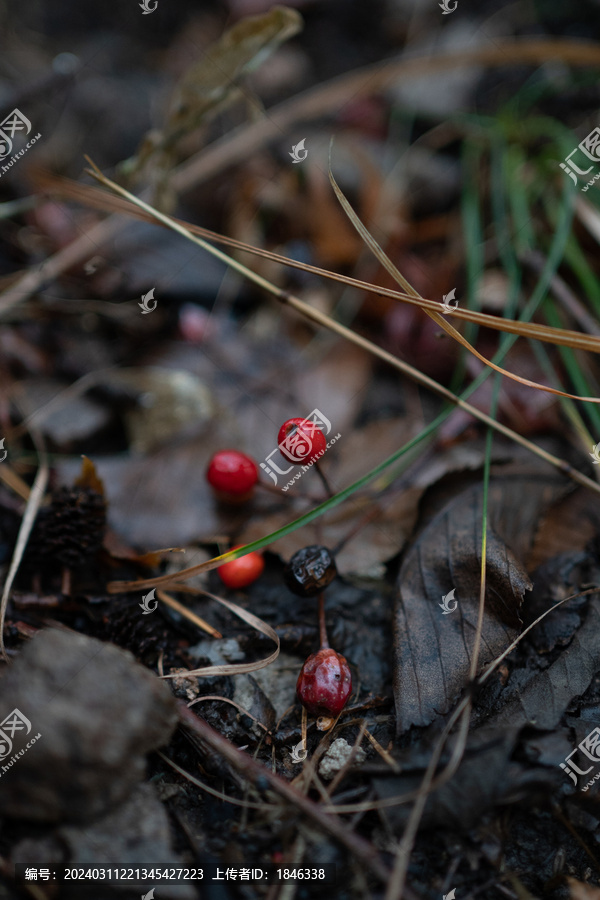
column 433, row 646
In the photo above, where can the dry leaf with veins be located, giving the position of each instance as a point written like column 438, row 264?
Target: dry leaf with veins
column 432, row 651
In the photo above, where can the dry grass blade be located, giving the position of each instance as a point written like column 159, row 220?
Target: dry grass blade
column 234, row 668
column 87, row 195
column 437, row 317
column 245, row 712
column 247, row 804
column 386, row 757
column 341, row 773
column 33, row 504
column 236, row 147
column 322, row 100
column 188, row 614
column 13, row 481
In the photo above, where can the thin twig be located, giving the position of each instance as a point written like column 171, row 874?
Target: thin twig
column 322, row 623
column 256, row 772
column 324, row 480
column 246, row 804
column 341, row 773
column 98, row 199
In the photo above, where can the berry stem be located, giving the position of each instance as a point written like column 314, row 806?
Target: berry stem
column 304, row 729
column 65, row 587
column 362, row 522
column 272, row 489
column 322, row 624
column 326, row 484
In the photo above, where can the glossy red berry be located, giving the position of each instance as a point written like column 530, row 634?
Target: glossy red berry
column 300, row 441
column 232, row 475
column 239, row 573
column 324, row 683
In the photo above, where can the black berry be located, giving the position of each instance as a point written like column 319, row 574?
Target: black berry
column 310, row 570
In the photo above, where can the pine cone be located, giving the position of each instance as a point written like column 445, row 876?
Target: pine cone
column 70, row 531
column 124, row 625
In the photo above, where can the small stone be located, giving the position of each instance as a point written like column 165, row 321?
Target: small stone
column 336, row 758
column 94, row 714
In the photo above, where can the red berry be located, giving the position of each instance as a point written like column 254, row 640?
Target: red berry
column 324, row 683
column 241, row 572
column 300, row 441
column 232, row 475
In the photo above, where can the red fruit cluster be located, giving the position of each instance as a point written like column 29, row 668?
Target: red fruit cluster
column 300, row 441
column 232, row 475
column 324, row 683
